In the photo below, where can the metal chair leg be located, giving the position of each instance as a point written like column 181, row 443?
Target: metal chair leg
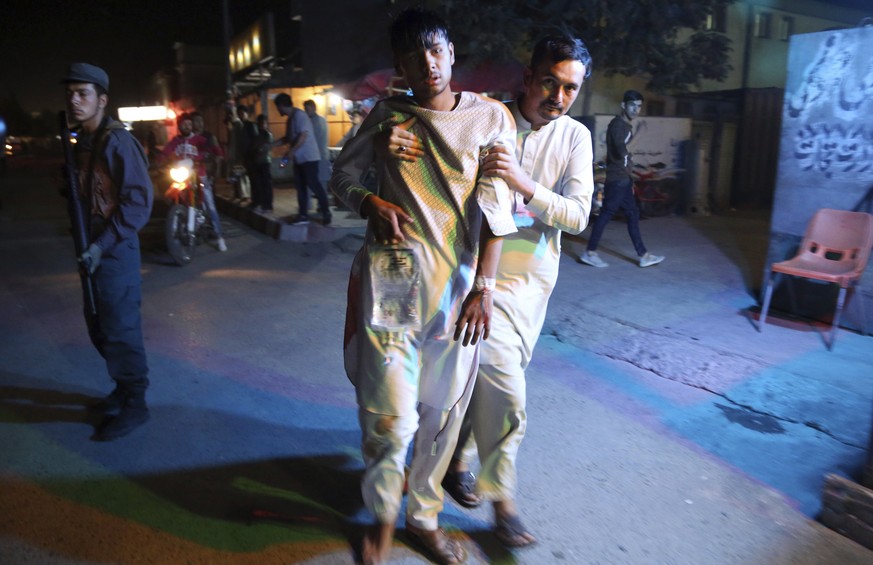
column 767, row 295
column 841, row 299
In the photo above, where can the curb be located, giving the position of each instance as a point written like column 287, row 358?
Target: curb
column 277, row 227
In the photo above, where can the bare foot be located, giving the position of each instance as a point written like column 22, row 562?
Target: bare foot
column 376, row 545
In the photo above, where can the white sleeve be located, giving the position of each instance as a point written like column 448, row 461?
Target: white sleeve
column 493, row 194
column 353, row 163
column 567, row 206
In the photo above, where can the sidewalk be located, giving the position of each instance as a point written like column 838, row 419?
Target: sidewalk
column 275, row 223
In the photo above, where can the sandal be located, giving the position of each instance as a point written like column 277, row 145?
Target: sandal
column 440, row 547
column 512, row 533
column 461, row 486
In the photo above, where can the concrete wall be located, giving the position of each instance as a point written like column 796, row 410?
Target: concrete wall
column 826, row 150
column 760, row 61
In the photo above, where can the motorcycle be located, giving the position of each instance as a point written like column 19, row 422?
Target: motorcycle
column 188, row 222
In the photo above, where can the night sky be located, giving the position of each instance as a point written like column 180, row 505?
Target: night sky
column 131, row 39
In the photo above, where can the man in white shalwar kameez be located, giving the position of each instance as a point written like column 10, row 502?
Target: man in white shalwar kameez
column 413, row 356
column 550, row 173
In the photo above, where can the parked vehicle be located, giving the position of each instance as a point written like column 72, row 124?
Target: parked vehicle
column 657, row 189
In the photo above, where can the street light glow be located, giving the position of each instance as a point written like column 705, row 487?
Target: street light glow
column 143, row 114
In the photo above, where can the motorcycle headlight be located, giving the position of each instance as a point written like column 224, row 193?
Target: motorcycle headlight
column 180, row 174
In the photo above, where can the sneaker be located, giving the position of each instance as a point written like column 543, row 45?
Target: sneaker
column 591, row 258
column 327, row 219
column 299, row 221
column 221, row 245
column 648, row 260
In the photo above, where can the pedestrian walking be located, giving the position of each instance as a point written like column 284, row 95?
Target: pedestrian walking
column 618, row 189
column 419, row 301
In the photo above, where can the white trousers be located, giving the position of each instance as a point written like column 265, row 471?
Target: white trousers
column 412, row 386
column 385, row 443
column 497, row 420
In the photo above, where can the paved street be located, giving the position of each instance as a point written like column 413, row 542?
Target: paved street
column 663, row 428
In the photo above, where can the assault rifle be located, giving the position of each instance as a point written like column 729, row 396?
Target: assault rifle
column 77, row 219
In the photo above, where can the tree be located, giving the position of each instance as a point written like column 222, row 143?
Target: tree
column 663, row 41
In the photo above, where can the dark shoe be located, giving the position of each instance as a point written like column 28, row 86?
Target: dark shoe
column 439, row 546
column 512, row 533
column 461, row 487
column 111, row 403
column 327, row 219
column 299, row 221
column 134, row 413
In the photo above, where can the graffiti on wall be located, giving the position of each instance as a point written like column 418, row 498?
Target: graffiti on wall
column 831, row 107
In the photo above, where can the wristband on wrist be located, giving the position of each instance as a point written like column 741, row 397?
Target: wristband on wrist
column 484, row 283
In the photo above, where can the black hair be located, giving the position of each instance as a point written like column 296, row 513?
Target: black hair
column 182, row 117
column 282, row 99
column 243, row 108
column 632, row 96
column 100, row 90
column 563, row 47
column 309, row 103
column 417, row 28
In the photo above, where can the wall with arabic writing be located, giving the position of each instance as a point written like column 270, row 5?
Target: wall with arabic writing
column 826, row 150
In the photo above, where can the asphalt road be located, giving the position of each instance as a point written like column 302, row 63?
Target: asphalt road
column 663, row 428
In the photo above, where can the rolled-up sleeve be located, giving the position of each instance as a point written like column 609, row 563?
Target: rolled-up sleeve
column 492, row 193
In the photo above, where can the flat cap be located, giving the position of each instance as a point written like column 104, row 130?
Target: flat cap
column 83, row 72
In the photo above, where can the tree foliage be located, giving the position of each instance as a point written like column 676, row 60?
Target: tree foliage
column 661, row 40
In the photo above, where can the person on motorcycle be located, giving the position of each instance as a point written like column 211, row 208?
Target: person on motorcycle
column 214, row 156
column 189, row 145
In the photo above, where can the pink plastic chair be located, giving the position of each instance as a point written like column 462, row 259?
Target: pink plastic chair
column 835, row 249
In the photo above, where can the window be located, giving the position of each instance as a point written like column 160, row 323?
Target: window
column 786, row 28
column 684, row 108
column 654, row 108
column 762, row 24
column 717, row 20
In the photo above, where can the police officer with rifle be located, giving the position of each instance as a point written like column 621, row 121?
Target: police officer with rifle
column 111, row 199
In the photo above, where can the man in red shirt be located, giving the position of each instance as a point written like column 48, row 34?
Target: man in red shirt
column 189, row 145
